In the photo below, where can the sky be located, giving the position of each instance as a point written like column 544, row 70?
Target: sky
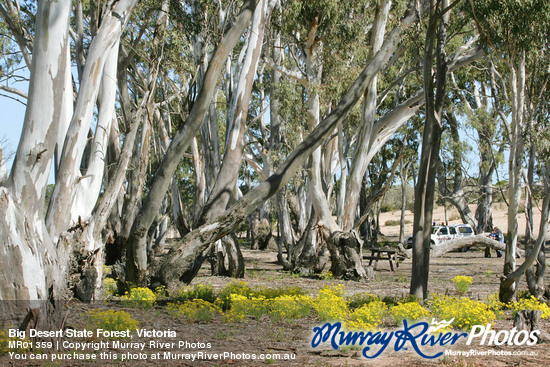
column 12, row 114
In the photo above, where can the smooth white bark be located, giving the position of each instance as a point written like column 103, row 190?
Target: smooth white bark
column 60, row 213
column 89, row 186
column 46, row 106
column 361, row 158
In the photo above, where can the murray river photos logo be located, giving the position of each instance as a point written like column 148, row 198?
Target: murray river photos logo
column 417, row 336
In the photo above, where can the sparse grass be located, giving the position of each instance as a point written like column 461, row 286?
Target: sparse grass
column 395, row 222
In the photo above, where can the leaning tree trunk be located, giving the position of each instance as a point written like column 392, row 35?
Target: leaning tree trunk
column 362, row 158
column 508, row 280
column 535, row 273
column 226, row 181
column 179, row 145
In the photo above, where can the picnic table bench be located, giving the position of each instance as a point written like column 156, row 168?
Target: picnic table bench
column 382, row 253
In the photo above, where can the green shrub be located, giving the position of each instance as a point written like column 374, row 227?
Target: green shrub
column 389, row 207
column 360, row 299
column 270, row 293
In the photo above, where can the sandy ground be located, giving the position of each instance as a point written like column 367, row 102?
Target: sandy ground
column 500, row 219
column 294, row 337
column 262, row 336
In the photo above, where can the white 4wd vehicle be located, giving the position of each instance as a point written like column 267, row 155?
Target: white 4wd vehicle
column 443, row 233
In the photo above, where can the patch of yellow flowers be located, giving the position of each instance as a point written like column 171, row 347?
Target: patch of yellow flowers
column 5, row 341
column 289, row 307
column 361, row 312
column 330, row 304
column 196, row 310
column 410, row 311
column 366, row 317
column 110, row 320
column 466, row 312
column 143, row 298
column 530, row 304
column 462, row 283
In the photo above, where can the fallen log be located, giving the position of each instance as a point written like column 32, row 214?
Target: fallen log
column 463, row 242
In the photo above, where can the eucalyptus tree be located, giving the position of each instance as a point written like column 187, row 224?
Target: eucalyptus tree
column 137, row 264
column 35, row 265
column 513, row 30
column 436, row 36
column 225, row 186
column 452, row 165
column 184, row 260
column 471, row 93
column 538, row 141
column 316, row 34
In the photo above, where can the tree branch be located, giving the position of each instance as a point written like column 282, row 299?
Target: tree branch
column 15, row 91
column 289, row 73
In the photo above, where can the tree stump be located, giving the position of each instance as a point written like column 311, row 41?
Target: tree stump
column 529, row 320
column 345, row 254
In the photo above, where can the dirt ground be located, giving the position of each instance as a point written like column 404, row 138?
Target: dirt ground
column 263, row 336
column 293, row 338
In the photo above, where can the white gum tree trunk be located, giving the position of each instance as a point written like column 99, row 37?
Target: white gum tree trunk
column 314, row 69
column 60, row 212
column 360, row 159
column 508, row 287
column 33, row 266
column 3, row 169
column 90, row 184
column 227, row 177
column 28, row 257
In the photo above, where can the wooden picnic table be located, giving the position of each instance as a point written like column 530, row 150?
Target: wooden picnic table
column 382, row 253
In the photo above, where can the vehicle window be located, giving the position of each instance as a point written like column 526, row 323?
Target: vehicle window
column 465, row 230
column 434, row 230
column 443, row 231
column 452, row 230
